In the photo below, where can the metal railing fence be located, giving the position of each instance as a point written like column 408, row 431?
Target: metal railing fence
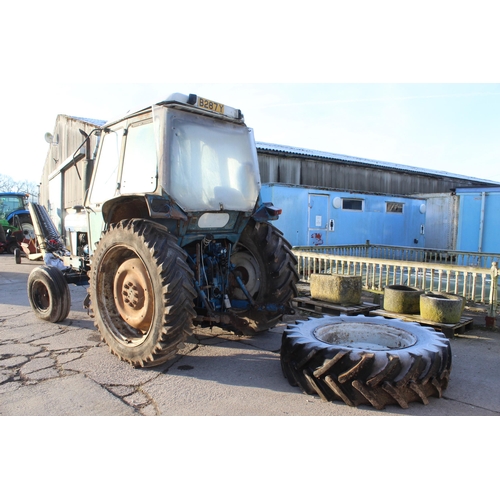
column 476, row 284
column 412, row 254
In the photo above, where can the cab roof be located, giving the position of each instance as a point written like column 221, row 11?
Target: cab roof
column 190, row 102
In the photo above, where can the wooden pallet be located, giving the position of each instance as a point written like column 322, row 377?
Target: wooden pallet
column 320, row 307
column 450, row 330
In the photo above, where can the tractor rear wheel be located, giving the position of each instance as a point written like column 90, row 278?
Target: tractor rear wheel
column 265, row 264
column 366, row 360
column 141, row 292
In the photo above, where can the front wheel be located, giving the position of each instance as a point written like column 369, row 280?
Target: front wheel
column 49, row 294
column 264, row 263
column 141, row 292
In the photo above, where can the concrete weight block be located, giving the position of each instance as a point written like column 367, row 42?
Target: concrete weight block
column 336, row 288
column 441, row 309
column 402, row 299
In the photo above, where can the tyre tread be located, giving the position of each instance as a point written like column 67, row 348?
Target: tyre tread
column 280, row 270
column 57, row 288
column 362, row 376
column 176, row 290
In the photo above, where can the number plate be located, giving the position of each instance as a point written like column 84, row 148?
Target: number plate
column 210, row 105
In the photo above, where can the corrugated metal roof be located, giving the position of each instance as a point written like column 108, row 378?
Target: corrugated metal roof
column 311, row 153
column 479, row 189
column 90, row 121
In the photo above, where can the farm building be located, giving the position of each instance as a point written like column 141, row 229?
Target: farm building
column 316, row 217
column 441, row 220
column 305, row 167
column 61, row 186
column 327, row 199
column 477, row 228
column 331, row 199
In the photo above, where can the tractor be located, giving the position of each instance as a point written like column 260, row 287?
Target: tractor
column 15, row 222
column 173, row 233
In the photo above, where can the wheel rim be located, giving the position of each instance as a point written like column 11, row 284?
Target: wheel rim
column 28, row 230
column 365, row 336
column 133, row 294
column 40, row 296
column 125, row 296
column 247, row 268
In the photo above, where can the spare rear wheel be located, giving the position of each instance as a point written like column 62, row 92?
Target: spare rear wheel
column 141, row 292
column 49, row 294
column 366, row 360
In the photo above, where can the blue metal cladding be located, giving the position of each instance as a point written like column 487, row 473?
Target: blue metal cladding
column 316, row 217
column 478, row 220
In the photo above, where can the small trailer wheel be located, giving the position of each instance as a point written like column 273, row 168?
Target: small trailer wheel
column 17, row 255
column 49, row 294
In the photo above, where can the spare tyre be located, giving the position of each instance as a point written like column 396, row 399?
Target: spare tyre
column 364, row 360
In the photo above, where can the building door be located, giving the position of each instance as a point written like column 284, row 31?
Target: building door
column 318, row 219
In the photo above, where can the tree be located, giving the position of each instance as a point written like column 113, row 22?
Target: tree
column 8, row 184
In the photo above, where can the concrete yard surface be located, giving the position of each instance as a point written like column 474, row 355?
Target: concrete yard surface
column 65, row 369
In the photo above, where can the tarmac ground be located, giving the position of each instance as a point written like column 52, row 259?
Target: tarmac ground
column 65, row 369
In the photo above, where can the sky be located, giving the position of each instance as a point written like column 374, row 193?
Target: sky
column 449, row 127
column 413, row 86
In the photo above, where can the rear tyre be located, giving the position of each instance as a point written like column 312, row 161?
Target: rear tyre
column 49, row 294
column 366, row 360
column 141, row 292
column 265, row 264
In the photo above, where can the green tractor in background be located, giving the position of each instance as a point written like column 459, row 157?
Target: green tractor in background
column 15, row 221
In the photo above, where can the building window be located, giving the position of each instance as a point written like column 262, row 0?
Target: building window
column 352, row 204
column 394, row 207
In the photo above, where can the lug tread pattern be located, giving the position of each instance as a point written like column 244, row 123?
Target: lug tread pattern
column 279, row 269
column 175, row 290
column 366, row 377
